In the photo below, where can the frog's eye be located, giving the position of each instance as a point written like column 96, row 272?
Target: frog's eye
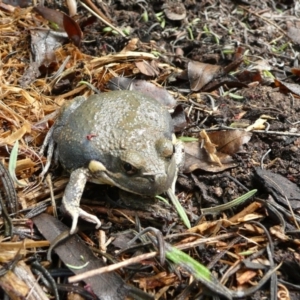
column 169, row 154
column 129, row 169
column 165, row 148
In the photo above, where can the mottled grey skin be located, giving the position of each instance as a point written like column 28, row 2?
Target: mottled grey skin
column 121, row 138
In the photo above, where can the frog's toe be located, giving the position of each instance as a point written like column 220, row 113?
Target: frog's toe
column 78, row 212
column 89, row 218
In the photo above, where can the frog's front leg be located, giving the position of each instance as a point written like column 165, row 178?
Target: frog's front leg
column 72, row 197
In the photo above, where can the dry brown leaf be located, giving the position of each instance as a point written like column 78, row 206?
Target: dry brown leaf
column 73, row 30
column 288, row 87
column 252, row 207
column 210, row 148
column 295, row 71
column 203, row 227
column 179, row 118
column 229, row 141
column 32, row 102
column 250, row 217
column 17, row 135
column 253, row 228
column 260, row 260
column 52, row 15
column 24, row 164
column 145, row 87
column 197, row 158
column 62, row 22
column 258, row 125
column 201, row 74
column 158, row 280
column 43, row 45
column 131, row 45
column 243, row 277
column 148, row 69
column 279, row 233
column 247, row 76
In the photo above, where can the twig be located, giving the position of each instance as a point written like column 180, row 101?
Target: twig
column 113, row 267
column 263, row 158
column 277, row 132
column 254, row 131
column 97, row 15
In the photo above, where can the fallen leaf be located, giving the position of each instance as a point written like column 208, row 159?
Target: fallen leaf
column 145, row 87
column 238, row 59
column 258, row 125
column 179, row 118
column 197, row 158
column 210, row 148
column 146, row 68
column 88, row 21
column 250, row 217
column 200, row 74
column 61, row 22
column 17, row 135
column 288, row 87
column 228, row 80
column 281, row 188
column 253, row 228
column 72, row 29
column 243, row 277
column 24, row 164
column 30, row 74
column 201, row 228
column 158, row 280
column 295, row 71
column 132, row 45
column 55, row 17
column 278, row 231
column 43, row 45
column 229, row 141
column 247, row 76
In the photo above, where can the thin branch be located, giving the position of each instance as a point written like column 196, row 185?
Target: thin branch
column 96, row 14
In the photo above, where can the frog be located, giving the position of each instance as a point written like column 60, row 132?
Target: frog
column 120, row 138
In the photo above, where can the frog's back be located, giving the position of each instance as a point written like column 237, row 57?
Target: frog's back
column 108, row 123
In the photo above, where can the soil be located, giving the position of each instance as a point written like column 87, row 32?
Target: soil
column 249, row 52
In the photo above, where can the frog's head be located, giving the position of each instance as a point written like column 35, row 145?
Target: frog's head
column 144, row 172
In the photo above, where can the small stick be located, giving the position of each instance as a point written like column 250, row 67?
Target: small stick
column 97, row 13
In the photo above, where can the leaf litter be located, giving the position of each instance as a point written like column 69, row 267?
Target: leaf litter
column 255, row 242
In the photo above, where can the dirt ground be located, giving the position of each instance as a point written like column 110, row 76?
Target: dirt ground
column 228, row 71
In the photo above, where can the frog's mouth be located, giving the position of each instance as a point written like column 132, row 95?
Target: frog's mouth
column 148, row 184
